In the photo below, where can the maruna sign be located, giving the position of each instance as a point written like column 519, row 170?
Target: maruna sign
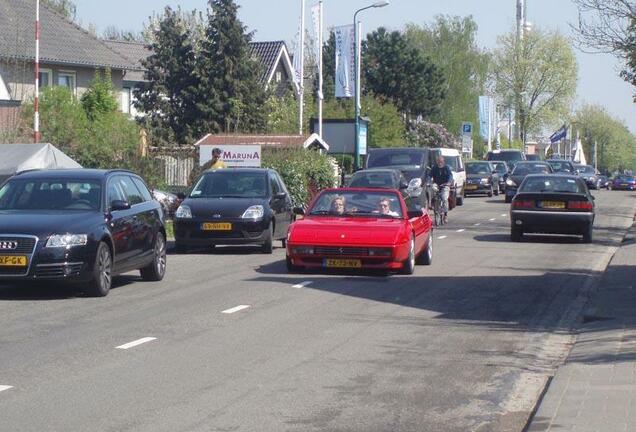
column 233, row 155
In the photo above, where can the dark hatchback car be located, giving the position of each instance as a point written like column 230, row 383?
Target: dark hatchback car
column 552, row 204
column 510, row 156
column 481, row 178
column 519, row 173
column 232, row 207
column 623, row 182
column 81, row 226
column 589, row 175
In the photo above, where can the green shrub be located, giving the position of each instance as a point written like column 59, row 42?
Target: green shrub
column 300, row 169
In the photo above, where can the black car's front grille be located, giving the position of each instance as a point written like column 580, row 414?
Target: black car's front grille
column 13, row 271
column 219, row 235
column 25, row 245
column 58, row 270
column 340, row 251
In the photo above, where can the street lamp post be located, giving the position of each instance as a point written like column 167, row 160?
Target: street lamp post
column 357, row 60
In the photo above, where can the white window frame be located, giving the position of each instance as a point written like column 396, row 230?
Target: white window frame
column 71, row 74
column 50, row 72
column 128, row 92
column 278, row 77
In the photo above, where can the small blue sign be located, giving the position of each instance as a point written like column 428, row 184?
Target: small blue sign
column 362, row 138
column 467, row 128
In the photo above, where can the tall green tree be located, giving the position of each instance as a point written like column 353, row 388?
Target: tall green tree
column 539, row 75
column 398, row 72
column 616, row 145
column 66, row 8
column 234, row 97
column 170, row 97
column 100, row 97
column 450, row 42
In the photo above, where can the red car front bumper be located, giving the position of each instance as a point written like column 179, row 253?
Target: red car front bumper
column 399, row 254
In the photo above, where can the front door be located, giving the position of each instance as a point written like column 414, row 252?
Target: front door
column 120, row 225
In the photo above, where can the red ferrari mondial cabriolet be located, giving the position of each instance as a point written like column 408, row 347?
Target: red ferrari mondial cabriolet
column 360, row 229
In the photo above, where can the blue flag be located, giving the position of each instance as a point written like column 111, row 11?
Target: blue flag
column 559, row 135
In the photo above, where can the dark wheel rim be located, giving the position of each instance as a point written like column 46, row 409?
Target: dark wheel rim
column 104, row 265
column 160, row 255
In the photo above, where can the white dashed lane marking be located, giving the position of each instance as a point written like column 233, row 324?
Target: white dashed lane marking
column 441, row 237
column 302, row 284
column 136, row 343
column 235, row 309
column 5, row 387
column 477, row 224
column 492, row 220
column 461, row 230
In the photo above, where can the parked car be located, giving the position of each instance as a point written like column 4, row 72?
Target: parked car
column 482, row 178
column 503, row 171
column 81, row 226
column 589, row 175
column 510, row 156
column 623, row 182
column 519, row 173
column 355, row 228
column 454, row 160
column 169, row 201
column 414, row 163
column 552, row 204
column 234, row 206
column 562, row 166
column 604, row 181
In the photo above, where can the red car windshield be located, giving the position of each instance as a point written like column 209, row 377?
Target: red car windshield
column 346, row 203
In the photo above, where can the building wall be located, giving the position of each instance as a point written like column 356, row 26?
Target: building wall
column 283, row 86
column 18, row 77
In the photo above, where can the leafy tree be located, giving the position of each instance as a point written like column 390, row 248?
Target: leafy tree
column 171, row 95
column 100, row 97
column 66, row 8
column 398, row 72
column 538, row 74
column 427, row 134
column 234, row 97
column 282, row 114
column 117, row 34
column 450, row 42
column 616, row 146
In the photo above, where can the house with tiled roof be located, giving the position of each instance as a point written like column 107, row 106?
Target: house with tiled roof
column 69, row 55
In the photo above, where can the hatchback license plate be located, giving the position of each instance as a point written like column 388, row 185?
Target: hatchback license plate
column 218, row 226
column 343, row 263
column 13, row 261
column 553, row 204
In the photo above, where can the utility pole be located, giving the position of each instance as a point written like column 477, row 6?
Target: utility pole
column 521, row 19
column 301, row 88
column 320, row 81
column 36, row 101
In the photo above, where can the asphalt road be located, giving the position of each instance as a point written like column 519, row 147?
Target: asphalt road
column 466, row 344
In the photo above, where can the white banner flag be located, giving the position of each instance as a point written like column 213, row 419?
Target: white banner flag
column 297, row 60
column 345, row 61
column 315, row 18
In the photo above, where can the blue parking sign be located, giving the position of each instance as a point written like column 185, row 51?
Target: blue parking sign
column 467, row 128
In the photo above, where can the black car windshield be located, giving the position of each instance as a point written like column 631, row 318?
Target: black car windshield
column 357, row 204
column 231, row 184
column 562, row 166
column 478, row 168
column 553, row 184
column 500, row 167
column 51, row 194
column 523, row 169
column 375, row 180
column 507, row 156
column 406, row 158
column 586, row 169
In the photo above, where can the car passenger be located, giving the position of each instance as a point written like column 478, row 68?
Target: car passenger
column 384, row 208
column 337, row 206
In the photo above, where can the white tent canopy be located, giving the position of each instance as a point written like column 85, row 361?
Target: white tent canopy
column 15, row 158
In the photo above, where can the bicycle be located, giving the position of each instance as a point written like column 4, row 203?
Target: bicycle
column 437, row 205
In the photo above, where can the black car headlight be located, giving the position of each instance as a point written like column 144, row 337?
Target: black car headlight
column 66, row 240
column 254, row 212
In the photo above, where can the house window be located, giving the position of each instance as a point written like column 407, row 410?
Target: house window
column 279, row 76
column 125, row 100
column 67, row 79
column 45, row 78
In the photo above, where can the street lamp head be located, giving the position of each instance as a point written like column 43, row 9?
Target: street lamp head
column 381, row 3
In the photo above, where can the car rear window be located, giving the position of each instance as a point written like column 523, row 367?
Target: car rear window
column 478, row 168
column 529, row 168
column 552, row 184
column 561, row 166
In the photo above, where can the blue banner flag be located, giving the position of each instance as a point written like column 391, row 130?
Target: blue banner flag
column 559, row 135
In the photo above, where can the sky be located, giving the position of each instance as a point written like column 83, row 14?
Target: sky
column 278, row 20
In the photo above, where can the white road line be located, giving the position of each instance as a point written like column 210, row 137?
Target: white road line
column 492, row 220
column 504, row 215
column 5, row 387
column 461, row 230
column 135, row 343
column 441, row 237
column 302, row 284
column 235, row 309
column 477, row 224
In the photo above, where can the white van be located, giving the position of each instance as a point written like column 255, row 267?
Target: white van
column 454, row 160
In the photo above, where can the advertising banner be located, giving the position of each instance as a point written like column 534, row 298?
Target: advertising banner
column 234, row 156
column 345, row 61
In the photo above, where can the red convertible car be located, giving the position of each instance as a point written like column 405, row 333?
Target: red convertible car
column 359, row 228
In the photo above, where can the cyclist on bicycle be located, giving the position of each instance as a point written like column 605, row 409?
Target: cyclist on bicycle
column 443, row 178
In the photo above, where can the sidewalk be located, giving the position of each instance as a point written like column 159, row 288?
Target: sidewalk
column 596, row 388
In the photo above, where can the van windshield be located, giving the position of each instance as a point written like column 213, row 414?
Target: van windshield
column 406, row 159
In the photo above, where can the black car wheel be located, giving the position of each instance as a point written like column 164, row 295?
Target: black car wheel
column 102, row 272
column 409, row 265
column 497, row 191
column 588, row 234
column 155, row 271
column 516, row 234
column 268, row 244
column 460, row 198
column 508, row 199
column 426, row 257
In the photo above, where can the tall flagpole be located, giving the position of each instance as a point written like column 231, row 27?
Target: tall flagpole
column 36, row 102
column 301, row 89
column 320, row 42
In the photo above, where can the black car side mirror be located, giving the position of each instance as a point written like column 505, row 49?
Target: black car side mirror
column 119, row 205
column 299, row 211
column 280, row 195
column 415, row 213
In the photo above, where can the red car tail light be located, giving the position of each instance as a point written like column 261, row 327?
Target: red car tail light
column 523, row 204
column 580, row 205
